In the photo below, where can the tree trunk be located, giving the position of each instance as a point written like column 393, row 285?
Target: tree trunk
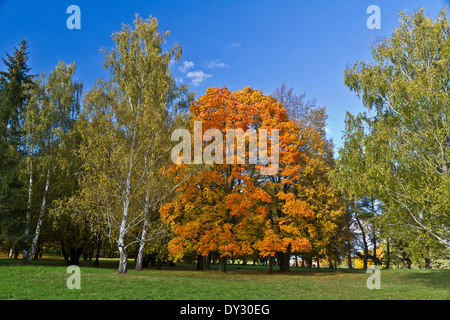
column 36, row 253
column 206, row 262
column 427, row 263
column 199, row 262
column 140, row 255
column 123, row 252
column 75, row 254
column 97, row 256
column 372, row 205
column 330, row 264
column 146, row 260
column 153, row 261
column 308, row 261
column 73, row 258
column 63, row 251
column 222, row 264
column 159, row 264
column 284, row 259
column 28, row 216
column 388, row 255
column 270, row 264
column 143, row 239
column 349, row 259
column 366, row 249
column 30, row 253
column 123, row 259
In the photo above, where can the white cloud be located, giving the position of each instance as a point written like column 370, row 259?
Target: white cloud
column 197, row 77
column 236, row 45
column 217, row 64
column 186, row 66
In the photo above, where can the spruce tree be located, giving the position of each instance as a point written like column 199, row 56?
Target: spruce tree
column 14, row 94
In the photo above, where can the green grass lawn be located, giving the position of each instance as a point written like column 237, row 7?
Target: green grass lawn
column 46, row 279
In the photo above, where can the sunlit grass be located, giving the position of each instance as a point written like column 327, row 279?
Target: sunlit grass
column 46, row 279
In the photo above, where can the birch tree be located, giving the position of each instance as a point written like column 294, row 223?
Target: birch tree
column 125, row 128
column 50, row 114
column 407, row 142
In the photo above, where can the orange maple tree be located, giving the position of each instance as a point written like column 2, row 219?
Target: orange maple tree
column 234, row 209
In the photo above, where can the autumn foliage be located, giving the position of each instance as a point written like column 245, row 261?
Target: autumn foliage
column 232, row 209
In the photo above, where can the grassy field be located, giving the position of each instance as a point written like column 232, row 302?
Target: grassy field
column 46, row 279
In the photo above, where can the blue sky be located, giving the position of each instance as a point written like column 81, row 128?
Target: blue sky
column 305, row 44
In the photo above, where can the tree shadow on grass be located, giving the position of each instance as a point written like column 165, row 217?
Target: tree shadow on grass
column 55, row 262
column 111, row 263
column 435, row 278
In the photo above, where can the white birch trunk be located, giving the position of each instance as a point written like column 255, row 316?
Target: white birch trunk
column 30, row 253
column 123, row 225
column 140, row 256
column 28, row 217
column 123, row 260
